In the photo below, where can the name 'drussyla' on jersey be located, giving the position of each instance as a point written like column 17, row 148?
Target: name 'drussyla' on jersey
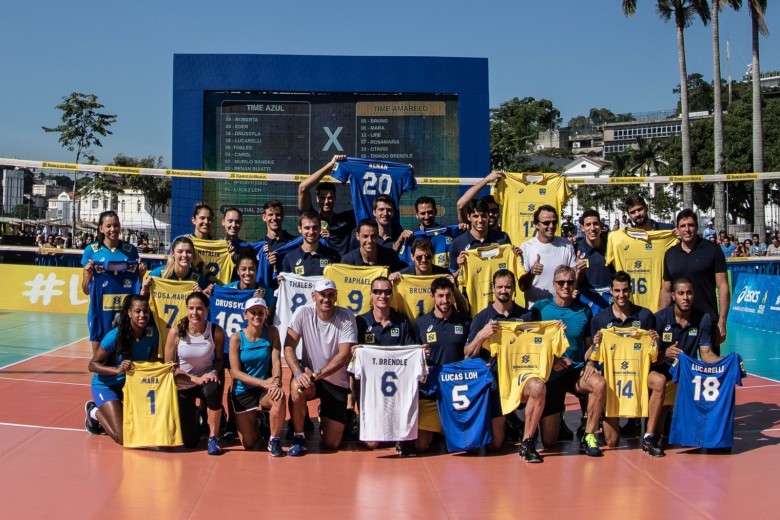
column 228, row 304
column 459, row 376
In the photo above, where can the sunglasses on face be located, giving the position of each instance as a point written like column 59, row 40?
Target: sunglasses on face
column 547, row 223
column 420, row 258
column 561, row 283
column 379, row 292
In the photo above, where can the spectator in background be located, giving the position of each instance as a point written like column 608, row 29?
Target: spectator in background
column 709, row 231
column 741, row 252
column 774, row 248
column 727, row 247
column 757, row 248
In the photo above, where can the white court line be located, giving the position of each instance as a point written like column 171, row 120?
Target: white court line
column 763, row 377
column 68, row 357
column 42, row 427
column 771, row 430
column 757, row 386
column 42, row 381
column 43, row 353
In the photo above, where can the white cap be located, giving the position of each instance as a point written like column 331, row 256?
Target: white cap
column 254, row 302
column 324, row 285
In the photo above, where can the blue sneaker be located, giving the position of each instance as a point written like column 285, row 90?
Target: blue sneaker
column 589, row 445
column 275, row 447
column 213, row 447
column 298, row 448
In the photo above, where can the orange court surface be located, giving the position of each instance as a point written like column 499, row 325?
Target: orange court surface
column 51, row 468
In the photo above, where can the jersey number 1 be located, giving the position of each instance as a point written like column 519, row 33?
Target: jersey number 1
column 150, row 395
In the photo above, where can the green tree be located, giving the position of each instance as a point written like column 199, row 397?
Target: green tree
column 580, row 124
column 700, row 94
column 80, row 130
column 514, row 126
column 599, row 116
column 156, row 190
column 28, row 211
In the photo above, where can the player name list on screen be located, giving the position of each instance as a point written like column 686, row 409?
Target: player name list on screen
column 385, row 128
column 264, row 136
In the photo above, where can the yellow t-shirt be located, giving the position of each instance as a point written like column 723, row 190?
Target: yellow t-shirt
column 626, row 355
column 520, row 194
column 476, row 274
column 213, row 260
column 412, row 295
column 641, row 254
column 151, row 407
column 168, row 302
column 354, row 284
column 524, row 351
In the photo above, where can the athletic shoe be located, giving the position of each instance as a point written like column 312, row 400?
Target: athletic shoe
column 298, row 448
column 589, row 445
column 631, row 429
column 90, row 424
column 564, row 432
column 405, row 449
column 213, row 446
column 528, row 451
column 275, row 447
column 652, row 446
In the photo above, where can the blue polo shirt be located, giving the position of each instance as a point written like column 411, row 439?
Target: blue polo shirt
column 397, row 332
column 446, row 337
column 339, row 226
column 639, row 317
column 698, row 332
column 577, row 317
column 309, row 264
column 467, row 241
column 597, row 276
column 384, row 256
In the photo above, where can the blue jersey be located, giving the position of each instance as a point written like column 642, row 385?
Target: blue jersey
column 141, row 351
column 369, row 178
column 266, row 271
column 226, row 309
column 115, row 276
column 704, row 408
column 463, row 400
column 440, row 237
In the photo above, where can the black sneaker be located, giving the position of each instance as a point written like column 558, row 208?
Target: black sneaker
column 91, row 425
column 528, row 453
column 405, row 449
column 275, row 448
column 564, row 433
column 631, row 429
column 652, row 446
column 352, row 428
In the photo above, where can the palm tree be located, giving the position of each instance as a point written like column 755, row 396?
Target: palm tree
column 683, row 12
column 720, row 187
column 757, row 12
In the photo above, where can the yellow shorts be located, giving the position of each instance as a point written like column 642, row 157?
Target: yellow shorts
column 428, row 418
column 671, row 393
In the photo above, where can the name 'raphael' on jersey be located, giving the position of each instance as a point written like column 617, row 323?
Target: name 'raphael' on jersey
column 704, row 409
column 520, row 194
column 168, row 303
column 150, row 407
column 389, row 405
column 641, row 253
column 354, row 284
column 369, row 178
column 294, row 292
column 626, row 355
column 476, row 274
column 463, row 400
column 412, row 295
column 213, row 260
column 524, row 351
column 226, row 309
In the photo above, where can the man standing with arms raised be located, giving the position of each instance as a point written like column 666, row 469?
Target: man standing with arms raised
column 328, row 333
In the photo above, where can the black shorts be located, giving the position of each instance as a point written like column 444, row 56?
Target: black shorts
column 333, row 401
column 663, row 369
column 248, row 400
column 555, row 400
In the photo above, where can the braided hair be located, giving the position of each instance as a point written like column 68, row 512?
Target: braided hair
column 125, row 338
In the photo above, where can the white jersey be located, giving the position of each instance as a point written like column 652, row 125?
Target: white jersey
column 389, row 391
column 294, row 292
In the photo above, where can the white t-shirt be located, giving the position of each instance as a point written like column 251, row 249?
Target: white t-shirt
column 196, row 355
column 321, row 339
column 294, row 292
column 389, row 391
column 558, row 252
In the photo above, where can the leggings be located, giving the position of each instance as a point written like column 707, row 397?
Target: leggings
column 188, row 410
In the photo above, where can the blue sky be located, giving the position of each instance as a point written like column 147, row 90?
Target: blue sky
column 579, row 54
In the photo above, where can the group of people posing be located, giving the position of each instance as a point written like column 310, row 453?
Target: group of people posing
column 480, row 279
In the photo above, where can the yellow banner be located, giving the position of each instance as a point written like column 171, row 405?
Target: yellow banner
column 686, row 178
column 43, row 289
column 741, row 176
column 122, row 169
column 183, row 173
column 238, row 176
column 60, row 166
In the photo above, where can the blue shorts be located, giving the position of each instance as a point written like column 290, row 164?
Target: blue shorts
column 102, row 394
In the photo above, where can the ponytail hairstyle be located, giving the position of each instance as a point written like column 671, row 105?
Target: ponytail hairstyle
column 185, row 321
column 103, row 216
column 169, row 265
column 125, row 338
column 199, row 206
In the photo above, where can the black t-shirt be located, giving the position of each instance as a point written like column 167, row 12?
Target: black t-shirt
column 699, row 266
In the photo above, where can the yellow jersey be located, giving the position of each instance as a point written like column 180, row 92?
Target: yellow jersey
column 213, row 260
column 524, row 351
column 354, row 284
column 641, row 253
column 168, row 303
column 476, row 274
column 520, row 194
column 412, row 295
column 151, row 407
column 626, row 355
